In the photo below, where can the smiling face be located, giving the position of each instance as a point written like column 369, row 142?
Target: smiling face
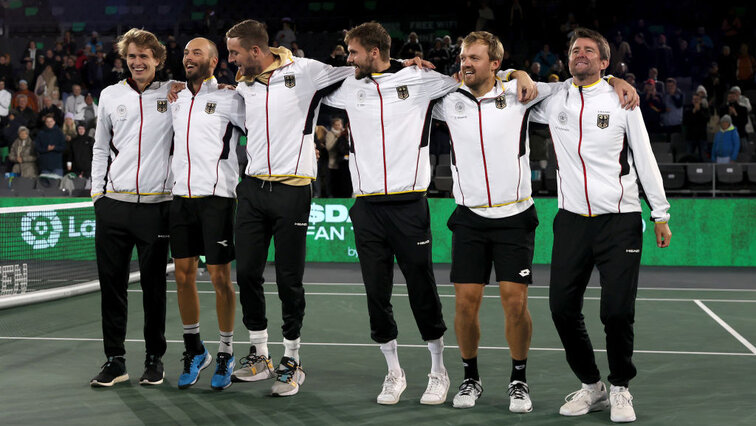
column 247, row 60
column 363, row 60
column 477, row 67
column 142, row 63
column 585, row 61
column 199, row 62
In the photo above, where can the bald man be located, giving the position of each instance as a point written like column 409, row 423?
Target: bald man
column 207, row 124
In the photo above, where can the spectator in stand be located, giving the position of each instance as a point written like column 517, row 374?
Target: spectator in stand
column 296, row 50
column 224, row 74
column 50, row 144
column 69, row 127
column 337, row 144
column 620, row 52
column 630, row 78
column 411, row 48
column 728, row 65
column 447, row 43
column 742, row 100
column 5, row 104
column 672, row 117
column 726, row 142
column 641, row 55
column 94, row 42
column 486, row 17
column 6, row 72
column 117, row 73
column 337, row 58
column 69, row 76
column 653, row 74
column 439, row 56
column 49, row 108
column 695, row 119
column 23, row 156
column 46, row 83
column 75, row 103
column 738, row 113
column 79, row 153
column 23, row 90
column 546, row 59
column 69, row 45
column 664, row 57
column 27, row 73
column 90, row 111
column 96, row 73
column 174, row 59
column 286, row 34
column 701, row 91
column 535, row 71
column 746, row 65
column 714, row 86
column 30, row 53
column 562, row 72
column 82, row 57
column 38, row 67
column 651, row 106
column 26, row 115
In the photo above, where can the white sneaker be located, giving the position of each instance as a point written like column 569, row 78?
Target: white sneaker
column 393, row 386
column 519, row 397
column 622, row 405
column 589, row 398
column 469, row 392
column 438, row 387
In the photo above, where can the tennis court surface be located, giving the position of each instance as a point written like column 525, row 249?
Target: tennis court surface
column 695, row 333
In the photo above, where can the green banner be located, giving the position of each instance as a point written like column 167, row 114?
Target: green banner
column 705, row 232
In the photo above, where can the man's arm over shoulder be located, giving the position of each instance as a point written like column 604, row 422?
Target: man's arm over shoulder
column 435, row 84
column 324, row 75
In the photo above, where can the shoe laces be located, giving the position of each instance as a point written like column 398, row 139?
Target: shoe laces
column 469, row 386
column 286, row 374
column 188, row 358
column 390, row 383
column 518, row 390
column 621, row 399
column 222, row 368
column 252, row 359
column 577, row 395
column 435, row 384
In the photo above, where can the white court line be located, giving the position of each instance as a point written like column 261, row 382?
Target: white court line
column 531, row 286
column 488, row 296
column 375, row 345
column 727, row 327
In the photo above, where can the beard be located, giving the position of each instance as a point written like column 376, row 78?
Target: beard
column 200, row 73
column 364, row 70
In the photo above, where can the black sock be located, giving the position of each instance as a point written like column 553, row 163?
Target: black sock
column 471, row 368
column 193, row 344
column 518, row 370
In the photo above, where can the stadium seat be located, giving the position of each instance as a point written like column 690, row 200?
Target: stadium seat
column 729, row 174
column 24, row 187
column 444, row 159
column 443, row 183
column 751, row 172
column 673, row 176
column 664, row 158
column 700, row 174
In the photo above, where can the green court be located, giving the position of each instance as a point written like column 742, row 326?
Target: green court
column 694, row 353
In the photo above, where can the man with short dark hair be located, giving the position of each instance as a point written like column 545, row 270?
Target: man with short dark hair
column 604, row 156
column 50, row 144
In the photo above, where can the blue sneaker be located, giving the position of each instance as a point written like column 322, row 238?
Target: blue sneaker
column 193, row 364
column 222, row 377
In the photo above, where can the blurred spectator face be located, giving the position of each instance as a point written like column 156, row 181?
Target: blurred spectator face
column 337, row 125
column 476, row 66
column 653, row 73
column 630, row 78
column 28, row 65
column 118, row 63
column 726, row 50
column 743, row 49
column 460, row 40
column 361, row 59
column 70, row 62
column 437, row 44
column 447, row 40
column 3, row 60
column 47, row 101
column 696, row 99
column 671, row 86
column 725, row 124
column 68, row 120
column 49, row 122
column 32, row 45
column 535, row 67
column 141, row 62
column 585, row 59
column 49, row 53
column 23, row 134
column 76, row 90
column 339, row 51
column 80, row 130
column 413, row 37
column 546, row 48
column 22, row 102
column 22, row 85
column 650, row 88
column 732, row 97
column 89, row 99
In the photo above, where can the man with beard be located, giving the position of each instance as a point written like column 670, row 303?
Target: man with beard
column 131, row 189
column 495, row 219
column 604, row 152
column 207, row 122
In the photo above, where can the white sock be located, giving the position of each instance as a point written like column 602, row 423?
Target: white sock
column 191, row 328
column 226, row 342
column 259, row 339
column 436, row 348
column 291, row 348
column 389, row 350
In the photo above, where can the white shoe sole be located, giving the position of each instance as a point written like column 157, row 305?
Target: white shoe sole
column 598, row 406
column 520, row 411
column 435, row 401
column 456, row 404
column 256, row 378
column 208, row 361
column 149, row 383
column 294, row 389
column 118, row 379
column 392, row 401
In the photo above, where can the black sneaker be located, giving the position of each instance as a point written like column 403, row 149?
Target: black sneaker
column 153, row 371
column 113, row 371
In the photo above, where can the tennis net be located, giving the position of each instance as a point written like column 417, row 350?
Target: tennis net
column 47, row 252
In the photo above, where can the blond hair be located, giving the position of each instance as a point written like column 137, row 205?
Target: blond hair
column 495, row 48
column 144, row 40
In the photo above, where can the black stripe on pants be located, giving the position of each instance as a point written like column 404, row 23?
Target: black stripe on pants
column 612, row 243
column 385, row 229
column 119, row 227
column 272, row 210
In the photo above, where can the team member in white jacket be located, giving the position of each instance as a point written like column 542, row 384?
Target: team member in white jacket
column 282, row 97
column 389, row 110
column 131, row 188
column 207, row 122
column 602, row 152
column 495, row 219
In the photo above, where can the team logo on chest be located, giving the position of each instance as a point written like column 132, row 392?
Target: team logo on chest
column 459, row 107
column 210, row 107
column 602, row 121
column 162, row 105
column 402, row 92
column 501, row 101
column 290, row 81
column 562, row 117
